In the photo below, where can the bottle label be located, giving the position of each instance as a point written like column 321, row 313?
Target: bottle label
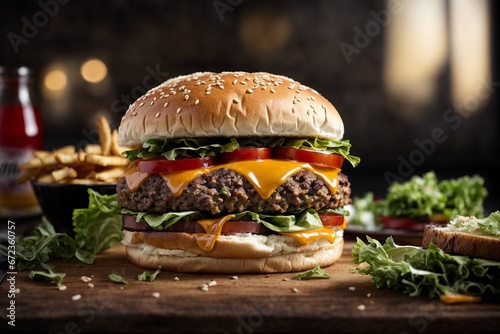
column 13, row 193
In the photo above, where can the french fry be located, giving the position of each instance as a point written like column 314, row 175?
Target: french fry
column 31, row 164
column 47, row 178
column 65, row 149
column 64, row 173
column 104, row 135
column 115, row 148
column 93, row 149
column 96, row 163
column 67, row 158
column 82, row 181
column 102, row 160
column 40, row 154
column 110, row 174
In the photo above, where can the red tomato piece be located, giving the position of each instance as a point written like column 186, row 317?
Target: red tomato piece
column 312, row 157
column 331, row 219
column 245, row 153
column 403, row 223
column 168, row 166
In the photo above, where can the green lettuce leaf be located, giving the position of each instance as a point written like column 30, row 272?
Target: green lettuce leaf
column 174, row 148
column 315, row 272
column 97, row 227
column 423, row 196
column 428, row 272
column 303, row 221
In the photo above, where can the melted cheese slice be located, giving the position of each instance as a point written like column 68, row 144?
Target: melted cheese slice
column 265, row 175
column 213, row 227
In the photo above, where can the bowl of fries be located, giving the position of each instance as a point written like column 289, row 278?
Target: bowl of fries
column 61, row 178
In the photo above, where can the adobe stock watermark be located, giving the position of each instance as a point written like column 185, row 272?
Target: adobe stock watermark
column 364, row 35
column 452, row 118
column 153, row 78
column 223, row 6
column 31, row 28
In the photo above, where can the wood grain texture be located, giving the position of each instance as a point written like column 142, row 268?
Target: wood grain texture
column 248, row 304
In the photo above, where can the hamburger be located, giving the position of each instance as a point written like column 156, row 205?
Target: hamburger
column 233, row 172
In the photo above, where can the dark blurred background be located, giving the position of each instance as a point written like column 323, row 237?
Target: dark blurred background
column 416, row 82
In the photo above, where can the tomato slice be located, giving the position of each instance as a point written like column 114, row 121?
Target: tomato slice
column 229, row 227
column 331, row 219
column 403, row 223
column 168, row 166
column 312, row 157
column 245, row 153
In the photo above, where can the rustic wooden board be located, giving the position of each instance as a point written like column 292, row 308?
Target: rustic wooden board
column 251, row 303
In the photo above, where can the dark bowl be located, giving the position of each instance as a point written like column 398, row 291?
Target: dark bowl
column 58, row 201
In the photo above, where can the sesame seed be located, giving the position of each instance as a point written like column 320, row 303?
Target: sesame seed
column 285, row 279
column 235, row 101
column 235, row 81
column 204, row 287
column 76, row 297
column 165, row 104
column 212, row 283
column 207, row 92
column 235, row 277
column 140, row 105
column 352, row 288
column 157, row 115
column 154, row 98
column 361, row 307
column 368, row 295
column 151, row 103
column 243, row 82
column 273, row 91
column 90, row 285
column 178, row 110
column 263, row 87
column 62, row 287
column 85, row 279
column 295, row 290
column 176, row 278
column 196, row 102
column 249, row 90
column 156, row 294
column 186, row 97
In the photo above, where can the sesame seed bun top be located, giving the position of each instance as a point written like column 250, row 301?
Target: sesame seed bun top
column 230, row 104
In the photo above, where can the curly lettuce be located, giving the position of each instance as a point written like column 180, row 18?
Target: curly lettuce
column 425, row 272
column 207, row 147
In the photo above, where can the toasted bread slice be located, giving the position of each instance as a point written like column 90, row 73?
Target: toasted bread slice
column 456, row 242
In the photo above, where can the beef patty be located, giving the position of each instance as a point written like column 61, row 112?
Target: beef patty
column 225, row 191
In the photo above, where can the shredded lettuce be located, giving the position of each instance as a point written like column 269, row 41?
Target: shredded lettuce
column 184, row 148
column 423, row 196
column 97, row 227
column 428, row 272
column 303, row 221
column 488, row 227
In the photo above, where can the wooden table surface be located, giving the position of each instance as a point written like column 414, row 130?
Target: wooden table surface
column 347, row 302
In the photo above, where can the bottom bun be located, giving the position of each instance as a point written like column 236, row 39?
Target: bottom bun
column 232, row 254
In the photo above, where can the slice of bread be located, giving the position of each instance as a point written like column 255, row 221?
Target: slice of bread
column 456, row 242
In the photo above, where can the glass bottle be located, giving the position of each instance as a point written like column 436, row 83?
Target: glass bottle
column 21, row 132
